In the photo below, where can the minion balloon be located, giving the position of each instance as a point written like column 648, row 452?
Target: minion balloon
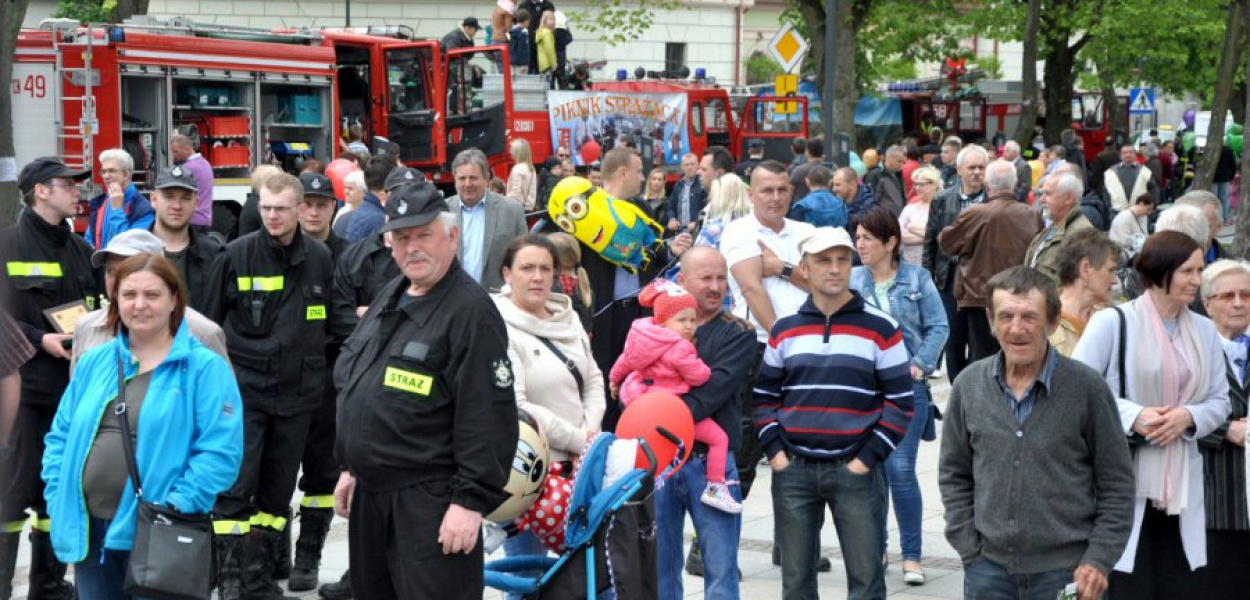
column 616, row 230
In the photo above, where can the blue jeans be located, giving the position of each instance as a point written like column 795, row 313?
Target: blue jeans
column 101, row 578
column 1221, row 191
column 524, row 544
column 716, row 532
column 800, row 493
column 900, row 474
column 987, row 580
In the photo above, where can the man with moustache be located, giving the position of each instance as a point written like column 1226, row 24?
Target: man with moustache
column 427, row 418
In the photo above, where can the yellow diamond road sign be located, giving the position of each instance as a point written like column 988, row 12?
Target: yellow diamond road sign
column 787, row 47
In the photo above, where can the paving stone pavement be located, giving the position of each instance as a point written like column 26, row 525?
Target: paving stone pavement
column 761, row 580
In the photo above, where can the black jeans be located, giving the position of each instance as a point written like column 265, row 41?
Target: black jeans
column 957, row 342
column 1161, row 571
column 981, row 341
column 272, row 449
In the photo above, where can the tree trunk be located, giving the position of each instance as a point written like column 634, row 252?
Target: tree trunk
column 129, row 8
column 1115, row 112
column 12, row 12
column 1060, row 79
column 845, row 88
column 1028, row 104
column 1241, row 240
column 1230, row 59
column 813, row 12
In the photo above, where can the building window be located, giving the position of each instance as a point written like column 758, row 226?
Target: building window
column 674, row 57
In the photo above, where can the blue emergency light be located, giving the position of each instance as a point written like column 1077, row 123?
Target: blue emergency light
column 700, row 73
column 622, row 74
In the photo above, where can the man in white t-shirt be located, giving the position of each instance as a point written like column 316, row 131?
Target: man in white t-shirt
column 762, row 249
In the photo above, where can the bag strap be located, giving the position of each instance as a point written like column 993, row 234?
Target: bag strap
column 568, row 364
column 128, row 444
column 1123, row 343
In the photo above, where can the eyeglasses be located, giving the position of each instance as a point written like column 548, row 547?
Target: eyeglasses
column 1228, row 296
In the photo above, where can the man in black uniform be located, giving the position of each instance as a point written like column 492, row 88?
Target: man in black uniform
column 359, row 273
column 321, row 473
column 193, row 253
column 46, row 266
column 272, row 304
column 427, row 418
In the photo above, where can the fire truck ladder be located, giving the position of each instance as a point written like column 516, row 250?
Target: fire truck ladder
column 84, row 131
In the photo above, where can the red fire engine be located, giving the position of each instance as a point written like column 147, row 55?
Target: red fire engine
column 248, row 96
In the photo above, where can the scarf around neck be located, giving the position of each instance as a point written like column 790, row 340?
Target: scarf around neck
column 1163, row 471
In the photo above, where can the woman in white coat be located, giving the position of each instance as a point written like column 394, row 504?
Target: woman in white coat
column 546, row 343
column 1174, row 392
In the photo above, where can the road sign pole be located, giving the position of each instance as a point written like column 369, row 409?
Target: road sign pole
column 827, row 103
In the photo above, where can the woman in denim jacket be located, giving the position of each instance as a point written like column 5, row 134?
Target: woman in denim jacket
column 906, row 292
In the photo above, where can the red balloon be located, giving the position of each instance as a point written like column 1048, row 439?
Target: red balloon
column 652, row 410
column 336, row 171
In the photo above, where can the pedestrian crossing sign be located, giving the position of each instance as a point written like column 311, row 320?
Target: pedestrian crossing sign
column 1141, row 101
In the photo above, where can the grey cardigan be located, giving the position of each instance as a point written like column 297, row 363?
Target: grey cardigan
column 1051, row 494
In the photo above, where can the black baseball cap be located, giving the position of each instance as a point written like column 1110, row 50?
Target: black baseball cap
column 45, row 169
column 176, row 177
column 470, row 22
column 316, row 184
column 413, row 205
column 401, row 175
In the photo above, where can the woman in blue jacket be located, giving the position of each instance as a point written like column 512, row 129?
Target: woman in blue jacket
column 906, row 292
column 186, row 418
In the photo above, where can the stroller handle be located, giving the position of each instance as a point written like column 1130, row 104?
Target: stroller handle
column 672, row 437
column 652, row 467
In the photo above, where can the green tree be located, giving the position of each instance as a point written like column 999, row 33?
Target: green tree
column 761, row 69
column 615, row 21
column 101, row 11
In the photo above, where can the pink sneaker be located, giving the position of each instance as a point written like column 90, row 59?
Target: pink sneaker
column 717, row 495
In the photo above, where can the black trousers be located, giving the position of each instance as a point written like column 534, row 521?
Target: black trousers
column 1160, row 571
column 272, row 448
column 1226, row 564
column 394, row 550
column 748, row 456
column 957, row 342
column 21, row 487
column 321, row 471
column 981, row 340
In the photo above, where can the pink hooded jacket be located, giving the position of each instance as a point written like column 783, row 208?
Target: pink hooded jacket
column 657, row 359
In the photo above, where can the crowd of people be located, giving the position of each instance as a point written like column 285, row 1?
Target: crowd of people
column 375, row 350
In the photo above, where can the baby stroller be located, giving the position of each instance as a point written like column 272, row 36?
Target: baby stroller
column 583, row 570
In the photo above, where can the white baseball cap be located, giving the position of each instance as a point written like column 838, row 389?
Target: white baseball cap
column 824, row 238
column 129, row 243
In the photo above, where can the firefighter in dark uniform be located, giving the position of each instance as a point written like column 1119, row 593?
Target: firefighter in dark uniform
column 193, row 253
column 272, row 303
column 427, row 417
column 360, row 272
column 320, row 471
column 45, row 266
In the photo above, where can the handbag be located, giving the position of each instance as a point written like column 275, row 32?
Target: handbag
column 1134, row 438
column 172, row 555
column 568, row 363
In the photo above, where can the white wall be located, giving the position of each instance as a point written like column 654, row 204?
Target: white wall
column 706, row 26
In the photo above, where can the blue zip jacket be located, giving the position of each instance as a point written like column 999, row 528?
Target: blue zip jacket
column 106, row 222
column 189, row 442
column 916, row 305
column 821, row 208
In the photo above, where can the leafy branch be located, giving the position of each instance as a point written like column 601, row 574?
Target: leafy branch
column 617, row 21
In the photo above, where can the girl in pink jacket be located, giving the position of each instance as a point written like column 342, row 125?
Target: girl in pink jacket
column 659, row 356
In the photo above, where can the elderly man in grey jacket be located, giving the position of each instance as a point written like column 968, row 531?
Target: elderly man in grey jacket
column 1035, row 472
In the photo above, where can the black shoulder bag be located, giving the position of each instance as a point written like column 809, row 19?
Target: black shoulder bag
column 1134, row 438
column 568, row 364
column 172, row 556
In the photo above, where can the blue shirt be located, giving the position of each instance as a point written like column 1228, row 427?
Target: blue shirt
column 1023, row 406
column 624, row 283
column 473, row 231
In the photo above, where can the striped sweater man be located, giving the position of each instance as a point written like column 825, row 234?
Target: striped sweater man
column 834, row 387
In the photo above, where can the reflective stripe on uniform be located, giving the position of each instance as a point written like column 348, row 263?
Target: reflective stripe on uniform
column 44, row 525
column 274, row 522
column 326, row 501
column 12, row 526
column 34, row 269
column 231, row 527
column 316, row 312
column 261, row 284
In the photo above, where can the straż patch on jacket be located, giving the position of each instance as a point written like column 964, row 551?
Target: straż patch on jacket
column 502, row 369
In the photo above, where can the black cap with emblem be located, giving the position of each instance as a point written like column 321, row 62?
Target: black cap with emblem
column 401, row 175
column 316, row 184
column 413, row 205
column 176, row 177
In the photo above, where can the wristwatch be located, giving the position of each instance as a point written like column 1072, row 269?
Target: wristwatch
column 787, row 270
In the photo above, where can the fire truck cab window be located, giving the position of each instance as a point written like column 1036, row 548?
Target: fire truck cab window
column 717, row 123
column 405, row 80
column 410, row 121
column 696, row 119
column 476, row 111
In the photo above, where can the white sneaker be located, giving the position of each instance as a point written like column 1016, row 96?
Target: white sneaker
column 717, row 495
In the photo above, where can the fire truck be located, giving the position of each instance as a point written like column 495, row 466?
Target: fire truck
column 710, row 118
column 249, row 96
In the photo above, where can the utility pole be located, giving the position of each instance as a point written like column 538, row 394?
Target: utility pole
column 827, row 101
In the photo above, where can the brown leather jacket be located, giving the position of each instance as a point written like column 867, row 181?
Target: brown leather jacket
column 988, row 238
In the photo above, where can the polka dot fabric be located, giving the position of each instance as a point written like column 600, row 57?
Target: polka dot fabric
column 546, row 518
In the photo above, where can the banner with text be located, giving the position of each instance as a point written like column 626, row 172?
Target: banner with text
column 591, row 123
